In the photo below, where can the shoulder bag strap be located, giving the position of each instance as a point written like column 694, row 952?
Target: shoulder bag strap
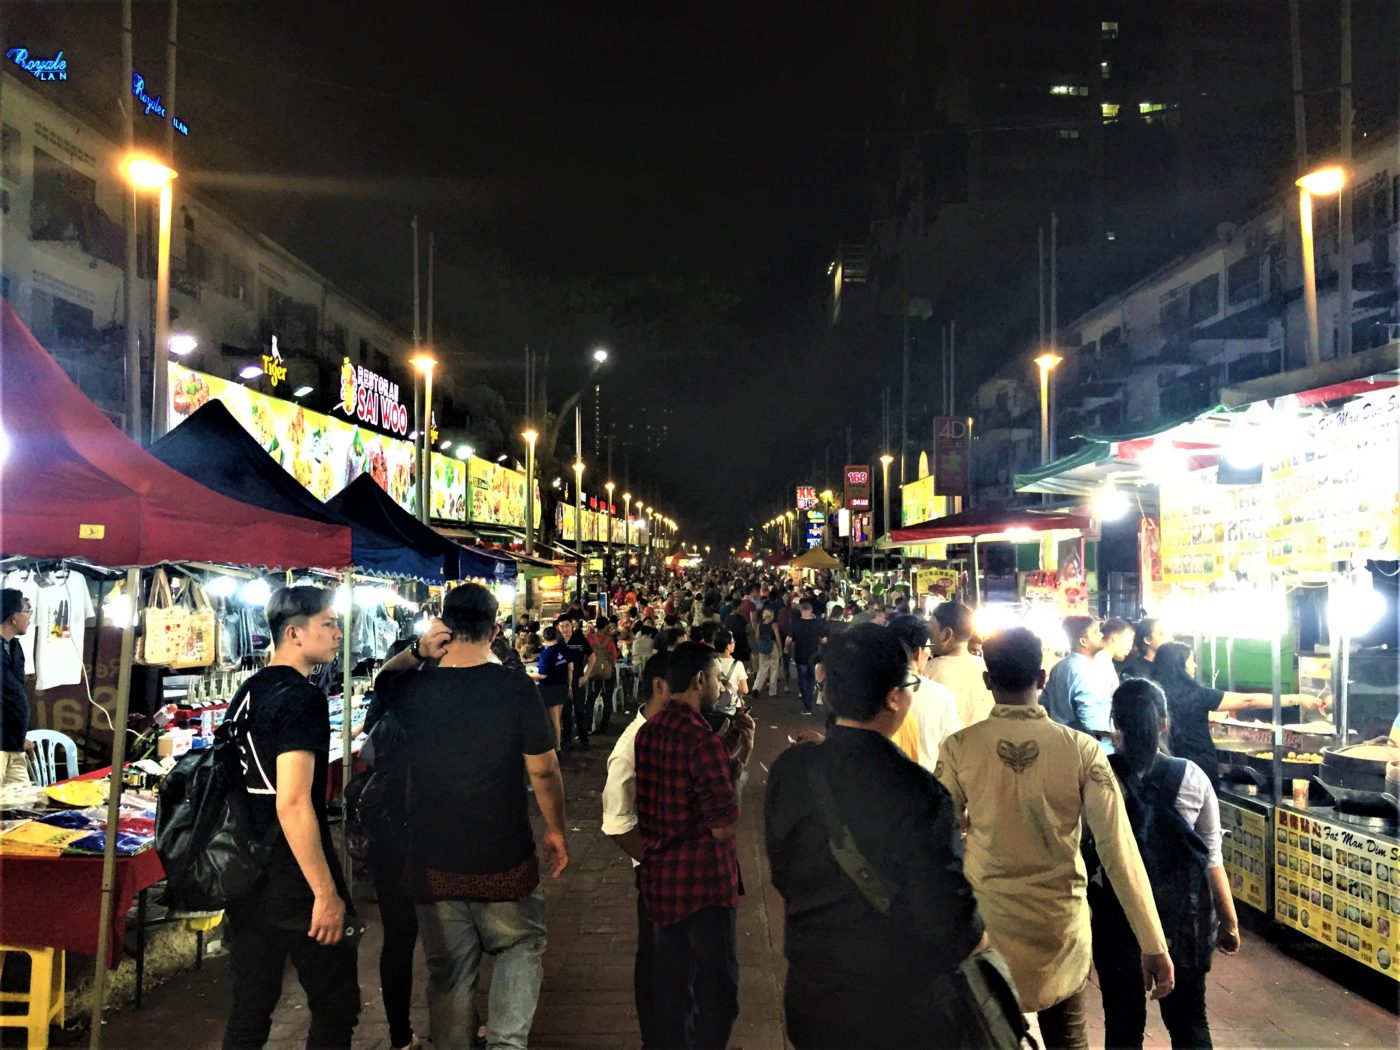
column 843, row 846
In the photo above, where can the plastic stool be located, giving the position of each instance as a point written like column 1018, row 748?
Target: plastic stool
column 44, row 998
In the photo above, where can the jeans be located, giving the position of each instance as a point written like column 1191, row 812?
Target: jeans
column 768, row 665
column 695, row 980
column 258, row 953
column 400, row 921
column 1116, row 959
column 455, row 933
column 1064, row 1026
column 807, row 684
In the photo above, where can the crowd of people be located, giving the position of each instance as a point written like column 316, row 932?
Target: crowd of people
column 961, row 819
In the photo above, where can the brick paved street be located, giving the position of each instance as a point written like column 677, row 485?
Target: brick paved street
column 1264, row 997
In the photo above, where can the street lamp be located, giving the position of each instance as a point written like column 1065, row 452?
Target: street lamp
column 885, row 460
column 600, row 356
column 1046, row 362
column 531, row 436
column 148, row 174
column 1324, row 182
column 627, row 525
column 578, row 525
column 425, row 363
column 608, row 518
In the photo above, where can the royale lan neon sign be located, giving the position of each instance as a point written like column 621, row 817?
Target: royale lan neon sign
column 55, row 68
column 153, row 106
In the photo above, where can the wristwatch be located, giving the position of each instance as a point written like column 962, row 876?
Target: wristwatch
column 417, row 654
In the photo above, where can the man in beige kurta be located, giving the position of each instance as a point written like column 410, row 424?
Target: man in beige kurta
column 1024, row 784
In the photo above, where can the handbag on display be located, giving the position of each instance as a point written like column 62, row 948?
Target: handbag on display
column 233, row 644
column 201, row 640
column 257, row 630
column 163, row 625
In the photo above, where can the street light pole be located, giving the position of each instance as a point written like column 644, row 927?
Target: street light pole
column 885, row 460
column 530, row 436
column 144, row 173
column 626, row 527
column 608, row 518
column 1320, row 183
column 1046, row 362
column 425, row 364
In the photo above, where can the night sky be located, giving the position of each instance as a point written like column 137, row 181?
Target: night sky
column 666, row 180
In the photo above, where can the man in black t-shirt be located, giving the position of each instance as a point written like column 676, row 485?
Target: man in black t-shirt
column 808, row 633
column 581, row 658
column 299, row 910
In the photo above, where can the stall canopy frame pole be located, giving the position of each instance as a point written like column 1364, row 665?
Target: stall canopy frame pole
column 1276, row 659
column 347, row 763
column 976, row 575
column 114, row 801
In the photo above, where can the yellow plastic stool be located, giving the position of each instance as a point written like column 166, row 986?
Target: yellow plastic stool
column 44, row 998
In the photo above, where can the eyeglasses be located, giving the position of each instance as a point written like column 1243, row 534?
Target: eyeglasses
column 912, row 685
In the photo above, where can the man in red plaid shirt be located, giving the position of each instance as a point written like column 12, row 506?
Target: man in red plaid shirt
column 687, row 813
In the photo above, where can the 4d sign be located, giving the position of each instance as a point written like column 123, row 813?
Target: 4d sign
column 857, row 486
column 55, row 68
column 952, row 451
column 370, row 398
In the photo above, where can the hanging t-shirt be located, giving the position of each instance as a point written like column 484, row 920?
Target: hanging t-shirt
column 25, row 581
column 61, row 611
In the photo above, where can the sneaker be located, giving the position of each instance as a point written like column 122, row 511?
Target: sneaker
column 807, row 713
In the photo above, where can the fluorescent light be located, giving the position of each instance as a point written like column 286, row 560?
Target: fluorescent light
column 465, row 451
column 222, row 587
column 446, row 446
column 183, row 344
column 256, row 592
column 501, row 458
column 250, row 372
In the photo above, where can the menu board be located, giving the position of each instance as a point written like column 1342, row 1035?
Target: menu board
column 1246, row 855
column 1331, row 487
column 322, row 453
column 496, row 494
column 1338, row 885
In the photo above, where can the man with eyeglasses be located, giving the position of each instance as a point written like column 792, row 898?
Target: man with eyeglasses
column 15, row 614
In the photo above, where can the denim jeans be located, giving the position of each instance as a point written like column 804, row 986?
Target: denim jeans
column 807, row 684
column 454, row 934
column 695, row 980
column 1064, row 1025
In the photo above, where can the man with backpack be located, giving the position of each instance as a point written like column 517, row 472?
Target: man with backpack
column 300, row 909
column 603, row 679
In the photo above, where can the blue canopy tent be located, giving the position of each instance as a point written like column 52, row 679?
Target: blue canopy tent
column 363, row 502
column 212, row 448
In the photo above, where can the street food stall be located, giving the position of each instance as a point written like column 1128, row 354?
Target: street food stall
column 1277, row 535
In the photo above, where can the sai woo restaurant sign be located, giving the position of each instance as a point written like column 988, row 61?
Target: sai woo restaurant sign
column 372, row 399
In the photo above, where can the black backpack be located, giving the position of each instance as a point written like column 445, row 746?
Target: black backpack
column 204, row 826
column 1176, row 859
column 376, row 805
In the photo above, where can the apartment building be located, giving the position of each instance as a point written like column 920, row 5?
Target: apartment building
column 232, row 289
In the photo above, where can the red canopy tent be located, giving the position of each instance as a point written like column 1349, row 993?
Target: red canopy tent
column 74, row 486
column 985, row 525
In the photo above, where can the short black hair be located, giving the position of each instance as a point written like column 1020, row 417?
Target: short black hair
column 1076, row 628
column 551, row 634
column 293, row 606
column 955, row 617
column 806, row 603
column 655, row 668
column 1014, row 658
column 686, row 661
column 469, row 612
column 1115, row 625
column 911, row 631
column 708, row 632
column 11, row 602
column 723, row 639
column 862, row 665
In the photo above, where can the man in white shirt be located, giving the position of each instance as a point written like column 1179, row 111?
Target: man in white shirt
column 952, row 665
column 933, row 713
column 620, row 825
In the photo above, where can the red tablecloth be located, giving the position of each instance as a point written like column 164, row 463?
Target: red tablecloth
column 56, row 902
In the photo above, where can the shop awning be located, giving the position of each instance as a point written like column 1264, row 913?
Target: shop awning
column 74, row 486
column 991, row 525
column 364, row 502
column 213, row 448
column 816, row 558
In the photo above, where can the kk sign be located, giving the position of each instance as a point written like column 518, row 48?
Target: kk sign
column 952, row 455
column 858, row 486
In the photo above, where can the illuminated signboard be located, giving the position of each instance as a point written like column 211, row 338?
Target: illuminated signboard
column 370, row 398
column 858, row 486
column 55, row 68
column 273, row 367
column 806, row 497
column 152, row 107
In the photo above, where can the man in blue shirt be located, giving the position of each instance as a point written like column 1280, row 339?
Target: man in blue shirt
column 1079, row 691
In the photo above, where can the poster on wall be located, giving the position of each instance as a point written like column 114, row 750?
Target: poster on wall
column 496, row 494
column 919, row 503
column 323, row 454
column 1071, row 578
column 449, row 490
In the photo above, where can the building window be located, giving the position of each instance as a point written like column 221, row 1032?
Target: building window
column 1242, row 280
column 1069, row 89
column 1069, row 133
column 1109, row 110
column 62, row 196
column 9, row 153
column 1172, row 311
column 1151, row 107
column 71, row 321
column 1109, row 29
column 1105, row 70
column 235, row 280
column 1205, row 299
column 364, row 352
